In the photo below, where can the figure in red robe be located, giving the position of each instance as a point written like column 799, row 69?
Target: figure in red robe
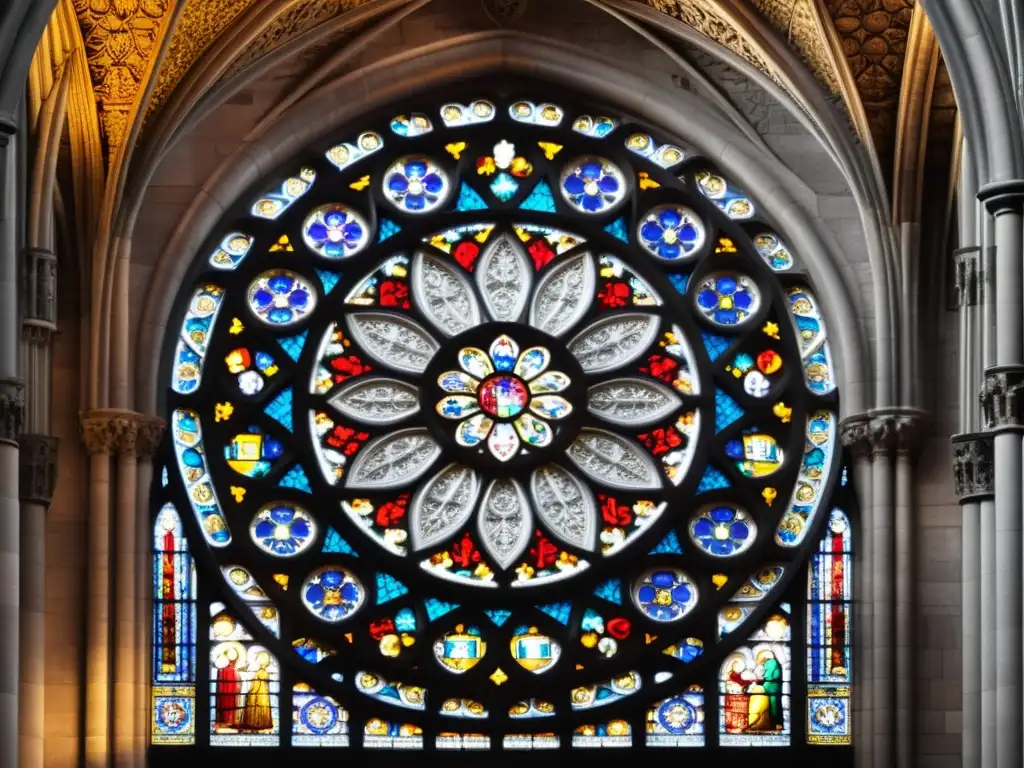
column 228, row 687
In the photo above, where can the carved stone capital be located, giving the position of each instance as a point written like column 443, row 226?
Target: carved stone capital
column 151, row 432
column 967, row 268
column 1001, row 397
column 1003, row 196
column 39, row 288
column 898, row 429
column 855, row 434
column 12, row 409
column 504, row 12
column 37, row 475
column 109, row 431
column 972, row 466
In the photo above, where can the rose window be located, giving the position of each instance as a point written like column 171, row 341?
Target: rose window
column 500, row 427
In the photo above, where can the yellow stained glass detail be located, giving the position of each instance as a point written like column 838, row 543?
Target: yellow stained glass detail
column 769, row 495
column 783, row 411
column 238, row 492
column 282, row 244
column 223, row 411
column 771, row 329
column 725, row 245
column 236, row 327
column 456, row 148
column 498, row 676
column 719, row 580
column 550, row 149
column 360, row 184
column 282, row 580
column 646, row 182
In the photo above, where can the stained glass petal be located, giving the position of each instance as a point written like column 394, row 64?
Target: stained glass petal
column 504, row 352
column 475, row 362
column 457, row 406
column 394, row 459
column 444, row 295
column 393, row 341
column 532, row 362
column 503, row 442
column 614, row 341
column 504, row 276
column 474, row 430
column 505, row 522
column 533, row 431
column 564, row 294
column 614, row 461
column 551, row 406
column 552, row 381
column 457, row 382
column 377, row 400
column 632, row 402
column 565, row 505
column 443, row 505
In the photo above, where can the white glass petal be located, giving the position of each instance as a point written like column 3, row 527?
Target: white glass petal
column 614, row 341
column 457, row 406
column 503, row 442
column 475, row 362
column 377, row 400
column 534, row 432
column 394, row 459
column 565, row 505
column 612, row 460
column 551, row 406
column 552, row 381
column 474, row 430
column 457, row 382
column 564, row 295
column 504, row 276
column 532, row 362
column 392, row 340
column 504, row 522
column 632, row 402
column 444, row 295
column 442, row 505
column 504, row 352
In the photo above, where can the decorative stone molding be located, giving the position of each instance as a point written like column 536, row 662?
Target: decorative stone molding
column 1003, row 196
column 12, row 410
column 855, row 435
column 882, row 432
column 999, row 396
column 109, row 431
column 39, row 289
column 504, row 12
column 967, row 266
column 972, row 466
column 37, row 475
column 151, row 432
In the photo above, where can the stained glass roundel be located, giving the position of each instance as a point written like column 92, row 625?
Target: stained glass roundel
column 522, row 427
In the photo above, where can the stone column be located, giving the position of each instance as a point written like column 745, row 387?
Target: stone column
column 124, row 567
column 12, row 417
column 38, row 458
column 151, row 433
column 102, row 433
column 1003, row 382
column 972, row 475
column 854, row 433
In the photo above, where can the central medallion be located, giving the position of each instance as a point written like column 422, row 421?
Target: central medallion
column 507, row 396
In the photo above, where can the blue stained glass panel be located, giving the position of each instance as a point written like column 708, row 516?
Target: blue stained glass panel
column 293, row 345
column 679, row 281
column 504, row 187
column 540, row 199
column 712, row 481
column 163, row 477
column 280, row 409
column 610, row 590
column 387, row 228
column 498, row 617
column 438, row 608
column 296, row 478
column 328, row 280
column 389, row 588
column 558, row 611
column 619, row 229
column 668, row 545
column 334, row 542
column 469, row 200
column 727, row 410
column 715, row 345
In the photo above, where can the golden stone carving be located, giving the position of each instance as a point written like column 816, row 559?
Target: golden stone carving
column 874, row 37
column 199, row 25
column 798, row 21
column 120, row 40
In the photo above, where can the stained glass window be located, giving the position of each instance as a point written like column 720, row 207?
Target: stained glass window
column 501, row 425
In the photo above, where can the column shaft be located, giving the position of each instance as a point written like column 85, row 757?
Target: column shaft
column 904, row 610
column 143, row 606
column 883, row 545
column 971, row 632
column 1008, row 596
column 97, row 693
column 988, row 635
column 10, row 512
column 863, row 669
column 33, row 634
column 125, row 609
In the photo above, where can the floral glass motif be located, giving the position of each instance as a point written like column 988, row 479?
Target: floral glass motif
column 537, row 450
column 671, row 232
column 593, row 184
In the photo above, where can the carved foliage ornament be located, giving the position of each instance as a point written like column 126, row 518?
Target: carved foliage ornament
column 12, row 409
column 972, row 466
column 37, row 475
column 999, row 396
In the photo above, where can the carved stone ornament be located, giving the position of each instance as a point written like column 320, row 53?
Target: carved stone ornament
column 151, row 432
column 880, row 433
column 12, row 409
column 856, row 435
column 972, row 466
column 966, row 262
column 39, row 288
column 109, row 432
column 999, row 396
column 37, row 471
column 504, row 12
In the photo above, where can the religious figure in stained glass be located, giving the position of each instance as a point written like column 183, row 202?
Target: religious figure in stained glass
column 502, row 427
